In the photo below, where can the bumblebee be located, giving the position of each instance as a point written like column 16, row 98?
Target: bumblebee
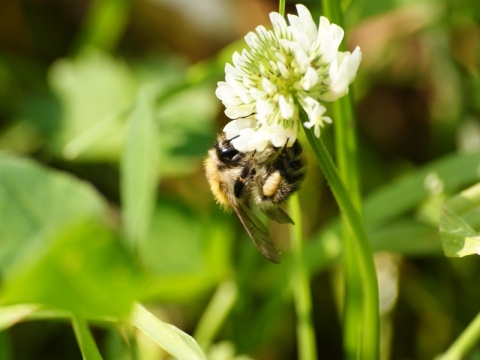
column 265, row 180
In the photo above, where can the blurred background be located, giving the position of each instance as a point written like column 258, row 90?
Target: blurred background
column 70, row 72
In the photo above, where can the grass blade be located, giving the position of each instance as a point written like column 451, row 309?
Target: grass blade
column 177, row 343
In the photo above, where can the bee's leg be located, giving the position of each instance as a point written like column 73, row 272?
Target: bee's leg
column 248, row 172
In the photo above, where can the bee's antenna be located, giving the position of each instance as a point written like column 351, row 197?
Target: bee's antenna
column 233, row 138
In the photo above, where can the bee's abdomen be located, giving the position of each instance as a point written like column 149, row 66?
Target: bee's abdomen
column 291, row 165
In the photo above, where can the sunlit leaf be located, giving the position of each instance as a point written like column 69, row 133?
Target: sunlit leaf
column 95, row 92
column 177, row 343
column 35, row 202
column 55, row 250
column 386, row 205
column 85, row 270
column 459, row 238
column 186, row 129
column 10, row 315
column 184, row 253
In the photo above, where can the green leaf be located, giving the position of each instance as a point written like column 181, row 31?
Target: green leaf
column 177, row 343
column 408, row 191
column 10, row 315
column 459, row 238
column 408, row 237
column 185, row 253
column 95, row 92
column 85, row 340
column 35, row 202
column 139, row 169
column 186, row 131
column 85, row 271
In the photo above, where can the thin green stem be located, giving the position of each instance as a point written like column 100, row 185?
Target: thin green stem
column 281, row 7
column 87, row 344
column 307, row 349
column 104, row 25
column 346, row 150
column 370, row 324
column 465, row 342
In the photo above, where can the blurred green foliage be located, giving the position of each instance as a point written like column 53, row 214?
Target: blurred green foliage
column 107, row 109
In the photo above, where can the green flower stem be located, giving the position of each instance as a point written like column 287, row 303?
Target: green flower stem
column 465, row 342
column 281, row 7
column 346, row 150
column 369, row 341
column 307, row 349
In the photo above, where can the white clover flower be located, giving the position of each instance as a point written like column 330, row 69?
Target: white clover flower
column 292, row 66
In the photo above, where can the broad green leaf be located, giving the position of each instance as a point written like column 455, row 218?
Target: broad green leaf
column 408, row 191
column 388, row 204
column 95, row 92
column 177, row 343
column 10, row 315
column 459, row 238
column 139, row 169
column 408, row 237
column 185, row 253
column 85, row 271
column 186, row 128
column 35, row 202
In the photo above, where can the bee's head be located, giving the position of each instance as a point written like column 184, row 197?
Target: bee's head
column 226, row 153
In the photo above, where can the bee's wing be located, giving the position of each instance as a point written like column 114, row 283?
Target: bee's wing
column 278, row 214
column 257, row 232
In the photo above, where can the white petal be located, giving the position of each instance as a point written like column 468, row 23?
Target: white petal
column 278, row 138
column 286, row 106
column 269, row 87
column 307, row 21
column 309, row 80
column 302, row 60
column 226, row 94
column 279, row 24
column 264, row 107
column 234, row 127
column 340, row 78
column 258, row 94
column 353, row 64
column 251, row 39
column 308, row 124
column 261, row 31
column 239, row 111
column 323, row 28
column 237, row 60
column 248, row 82
column 283, row 70
column 244, row 141
column 336, row 33
column 229, row 68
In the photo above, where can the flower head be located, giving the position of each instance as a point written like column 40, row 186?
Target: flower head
column 291, row 67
